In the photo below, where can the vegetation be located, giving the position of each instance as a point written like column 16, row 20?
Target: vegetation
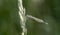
column 42, row 17
column 47, row 10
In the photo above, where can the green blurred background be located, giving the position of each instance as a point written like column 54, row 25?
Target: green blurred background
column 9, row 18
